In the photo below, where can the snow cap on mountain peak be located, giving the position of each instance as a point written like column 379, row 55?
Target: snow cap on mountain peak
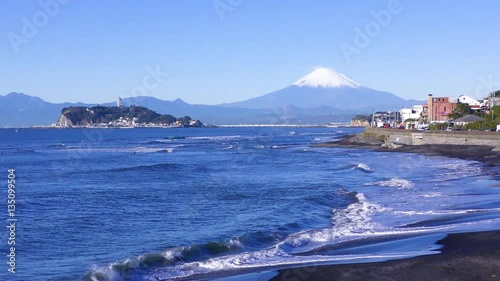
column 323, row 77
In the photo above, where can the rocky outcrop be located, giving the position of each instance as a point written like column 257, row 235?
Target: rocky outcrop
column 64, row 122
column 360, row 123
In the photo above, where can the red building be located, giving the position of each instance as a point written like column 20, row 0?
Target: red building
column 437, row 108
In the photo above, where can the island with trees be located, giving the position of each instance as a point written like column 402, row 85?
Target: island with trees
column 120, row 117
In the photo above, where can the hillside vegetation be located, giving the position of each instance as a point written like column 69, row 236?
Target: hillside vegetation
column 82, row 116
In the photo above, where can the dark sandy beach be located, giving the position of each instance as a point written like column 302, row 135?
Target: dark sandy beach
column 467, row 256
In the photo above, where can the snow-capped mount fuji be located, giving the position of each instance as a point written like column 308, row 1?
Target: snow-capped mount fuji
column 326, row 78
column 320, row 97
column 324, row 87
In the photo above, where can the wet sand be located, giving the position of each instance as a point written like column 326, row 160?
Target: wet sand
column 466, row 256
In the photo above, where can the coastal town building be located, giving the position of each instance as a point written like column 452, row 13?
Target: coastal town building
column 386, row 118
column 437, row 109
column 473, row 103
column 467, row 119
column 119, row 102
column 411, row 113
column 492, row 101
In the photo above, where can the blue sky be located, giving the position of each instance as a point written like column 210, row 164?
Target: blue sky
column 217, row 51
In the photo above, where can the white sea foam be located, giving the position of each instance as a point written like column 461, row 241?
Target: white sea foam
column 394, row 182
column 456, row 170
column 171, row 254
column 445, row 212
column 431, row 195
column 365, row 168
column 279, row 146
column 216, row 138
column 357, row 217
column 163, row 140
column 151, row 150
column 355, row 220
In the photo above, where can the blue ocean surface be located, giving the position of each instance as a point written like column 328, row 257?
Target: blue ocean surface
column 212, row 203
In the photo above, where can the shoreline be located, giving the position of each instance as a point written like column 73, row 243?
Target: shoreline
column 464, row 256
column 485, row 154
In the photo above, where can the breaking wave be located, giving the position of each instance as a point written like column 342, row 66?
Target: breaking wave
column 350, row 223
column 125, row 270
column 364, row 168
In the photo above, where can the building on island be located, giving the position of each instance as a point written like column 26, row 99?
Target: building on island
column 437, row 109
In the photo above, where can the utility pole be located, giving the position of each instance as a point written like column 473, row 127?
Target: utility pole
column 492, row 96
column 373, row 119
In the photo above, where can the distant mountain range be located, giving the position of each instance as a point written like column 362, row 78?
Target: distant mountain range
column 20, row 110
column 326, row 88
column 320, row 97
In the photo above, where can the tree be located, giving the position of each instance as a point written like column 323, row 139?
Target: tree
column 496, row 110
column 460, row 110
column 438, row 126
column 166, row 119
column 184, row 120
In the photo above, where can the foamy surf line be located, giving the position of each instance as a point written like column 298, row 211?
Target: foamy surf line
column 353, row 229
column 423, row 239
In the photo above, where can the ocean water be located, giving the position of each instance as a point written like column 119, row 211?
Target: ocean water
column 198, row 204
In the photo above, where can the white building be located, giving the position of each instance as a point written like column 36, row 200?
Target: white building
column 473, row 103
column 119, row 102
column 411, row 113
column 493, row 101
